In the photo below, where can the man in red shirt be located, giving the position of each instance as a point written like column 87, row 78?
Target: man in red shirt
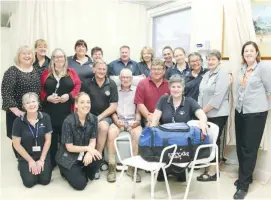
column 150, row 89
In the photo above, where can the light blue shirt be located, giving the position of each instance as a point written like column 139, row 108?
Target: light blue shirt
column 253, row 98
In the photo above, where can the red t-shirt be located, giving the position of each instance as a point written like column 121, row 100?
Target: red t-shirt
column 148, row 94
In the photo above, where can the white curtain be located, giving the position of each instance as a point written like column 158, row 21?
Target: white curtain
column 105, row 23
column 238, row 30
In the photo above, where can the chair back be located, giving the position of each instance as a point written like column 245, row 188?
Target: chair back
column 212, row 131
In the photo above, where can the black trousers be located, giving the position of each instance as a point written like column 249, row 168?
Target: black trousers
column 56, row 136
column 249, row 130
column 29, row 180
column 78, row 175
column 220, row 122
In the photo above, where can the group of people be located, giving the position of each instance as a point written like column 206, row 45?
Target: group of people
column 64, row 110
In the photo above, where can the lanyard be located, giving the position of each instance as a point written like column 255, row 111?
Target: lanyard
column 58, row 83
column 37, row 133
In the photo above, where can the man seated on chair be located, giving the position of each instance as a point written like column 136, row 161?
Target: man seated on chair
column 127, row 118
column 149, row 90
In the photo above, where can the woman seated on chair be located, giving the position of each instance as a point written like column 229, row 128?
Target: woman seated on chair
column 31, row 138
column 177, row 108
column 77, row 158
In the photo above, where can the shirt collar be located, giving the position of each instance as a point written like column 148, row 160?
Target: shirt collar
column 186, row 66
column 173, row 64
column 24, row 117
column 106, row 82
column 89, row 59
column 77, row 121
column 216, row 70
column 170, row 100
column 164, row 80
column 129, row 61
column 132, row 88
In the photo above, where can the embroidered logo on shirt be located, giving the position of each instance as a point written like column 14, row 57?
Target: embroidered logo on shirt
column 182, row 112
column 107, row 93
column 42, row 126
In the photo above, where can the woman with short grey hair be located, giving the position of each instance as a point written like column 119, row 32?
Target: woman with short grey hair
column 214, row 99
column 177, row 108
column 31, row 138
column 193, row 79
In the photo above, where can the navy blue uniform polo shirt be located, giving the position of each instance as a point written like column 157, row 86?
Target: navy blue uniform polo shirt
column 116, row 66
column 183, row 113
column 174, row 70
column 23, row 129
column 192, row 84
column 102, row 97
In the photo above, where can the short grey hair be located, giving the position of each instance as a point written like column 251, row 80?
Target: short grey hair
column 194, row 54
column 27, row 96
column 215, row 53
column 176, row 78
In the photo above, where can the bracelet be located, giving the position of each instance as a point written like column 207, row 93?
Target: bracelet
column 41, row 160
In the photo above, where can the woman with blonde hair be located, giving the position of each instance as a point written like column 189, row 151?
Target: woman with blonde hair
column 77, row 158
column 18, row 80
column 59, row 86
column 41, row 60
column 146, row 57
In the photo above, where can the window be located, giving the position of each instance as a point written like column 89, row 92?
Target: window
column 171, row 29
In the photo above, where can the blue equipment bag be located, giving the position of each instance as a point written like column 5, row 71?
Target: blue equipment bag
column 153, row 140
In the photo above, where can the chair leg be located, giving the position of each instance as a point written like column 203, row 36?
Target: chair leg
column 166, row 182
column 135, row 172
column 155, row 178
column 118, row 182
column 189, row 181
column 186, row 176
column 152, row 184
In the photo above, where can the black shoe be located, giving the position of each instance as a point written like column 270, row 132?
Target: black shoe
column 160, row 177
column 236, row 183
column 239, row 194
column 181, row 178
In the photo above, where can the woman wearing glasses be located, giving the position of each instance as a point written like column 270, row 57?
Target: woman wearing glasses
column 59, row 86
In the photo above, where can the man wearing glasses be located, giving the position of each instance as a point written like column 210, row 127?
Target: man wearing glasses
column 150, row 89
column 126, row 118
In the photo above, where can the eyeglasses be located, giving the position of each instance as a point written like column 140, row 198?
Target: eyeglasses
column 157, row 69
column 194, row 61
column 125, row 77
column 58, row 57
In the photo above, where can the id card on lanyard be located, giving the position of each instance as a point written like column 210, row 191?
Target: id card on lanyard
column 35, row 148
column 81, row 154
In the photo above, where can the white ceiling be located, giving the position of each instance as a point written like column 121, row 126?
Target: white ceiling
column 147, row 3
column 10, row 6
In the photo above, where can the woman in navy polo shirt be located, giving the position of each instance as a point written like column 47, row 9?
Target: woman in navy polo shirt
column 81, row 62
column 181, row 67
column 193, row 80
column 77, row 158
column 177, row 108
column 31, row 138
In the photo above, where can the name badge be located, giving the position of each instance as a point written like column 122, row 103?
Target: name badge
column 80, row 157
column 36, row 148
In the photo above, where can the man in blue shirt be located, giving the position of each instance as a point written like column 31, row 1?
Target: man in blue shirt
column 124, row 61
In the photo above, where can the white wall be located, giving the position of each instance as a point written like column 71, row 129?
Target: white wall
column 104, row 23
